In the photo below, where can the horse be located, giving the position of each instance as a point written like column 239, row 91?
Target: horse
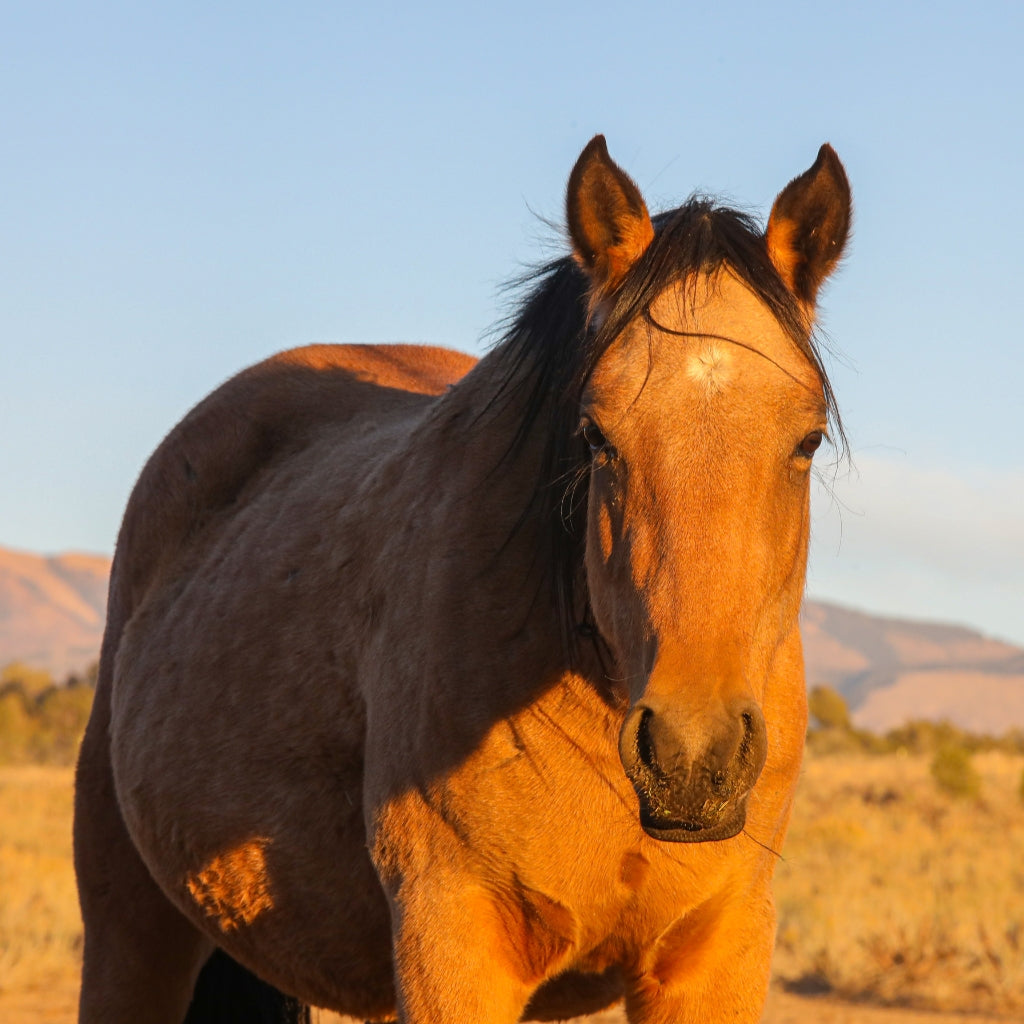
column 436, row 689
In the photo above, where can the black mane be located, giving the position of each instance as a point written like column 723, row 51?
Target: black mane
column 552, row 350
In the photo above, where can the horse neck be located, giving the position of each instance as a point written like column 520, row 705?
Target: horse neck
column 496, row 475
column 464, row 639
column 474, row 496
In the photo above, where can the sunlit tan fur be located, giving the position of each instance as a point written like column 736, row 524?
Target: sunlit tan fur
column 334, row 733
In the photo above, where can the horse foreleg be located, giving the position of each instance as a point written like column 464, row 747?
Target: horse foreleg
column 454, row 959
column 711, row 967
column 141, row 957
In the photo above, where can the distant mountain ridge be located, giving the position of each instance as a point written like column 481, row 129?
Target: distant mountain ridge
column 52, row 609
column 52, row 612
column 892, row 670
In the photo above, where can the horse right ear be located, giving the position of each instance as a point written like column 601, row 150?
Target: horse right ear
column 608, row 220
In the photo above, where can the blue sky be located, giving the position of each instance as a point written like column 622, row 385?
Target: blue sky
column 187, row 188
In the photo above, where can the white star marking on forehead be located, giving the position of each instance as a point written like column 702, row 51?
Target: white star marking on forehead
column 710, row 367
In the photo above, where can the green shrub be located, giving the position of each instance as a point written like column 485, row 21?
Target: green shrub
column 953, row 772
column 922, row 736
column 16, row 725
column 43, row 728
column 61, row 714
column 31, row 680
column 827, row 708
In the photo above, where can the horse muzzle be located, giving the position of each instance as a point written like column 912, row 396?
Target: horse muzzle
column 693, row 783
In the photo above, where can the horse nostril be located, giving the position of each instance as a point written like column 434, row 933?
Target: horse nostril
column 644, row 743
column 748, row 732
column 754, row 743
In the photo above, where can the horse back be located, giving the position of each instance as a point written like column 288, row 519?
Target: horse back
column 261, row 416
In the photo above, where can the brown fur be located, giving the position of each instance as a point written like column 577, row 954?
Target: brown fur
column 335, row 733
column 809, row 225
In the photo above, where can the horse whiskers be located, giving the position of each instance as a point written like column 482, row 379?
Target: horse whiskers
column 837, row 503
column 764, row 846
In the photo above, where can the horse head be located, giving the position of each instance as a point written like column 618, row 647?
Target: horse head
column 702, row 413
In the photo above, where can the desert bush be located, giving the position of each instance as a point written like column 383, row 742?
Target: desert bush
column 827, row 708
column 61, row 714
column 42, row 726
column 831, row 742
column 16, row 724
column 890, row 890
column 953, row 772
column 87, row 677
column 1011, row 742
column 846, row 741
column 32, row 681
column 922, row 736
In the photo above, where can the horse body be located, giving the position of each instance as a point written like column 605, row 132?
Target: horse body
column 339, row 730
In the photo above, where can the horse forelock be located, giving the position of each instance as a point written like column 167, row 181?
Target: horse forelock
column 552, row 345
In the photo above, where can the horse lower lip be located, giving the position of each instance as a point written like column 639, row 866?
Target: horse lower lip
column 683, row 830
column 666, row 824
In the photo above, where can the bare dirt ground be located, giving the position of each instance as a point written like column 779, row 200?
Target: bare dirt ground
column 786, row 1008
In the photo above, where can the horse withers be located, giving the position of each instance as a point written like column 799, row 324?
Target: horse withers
column 450, row 691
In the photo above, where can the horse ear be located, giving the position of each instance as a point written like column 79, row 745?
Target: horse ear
column 809, row 224
column 608, row 220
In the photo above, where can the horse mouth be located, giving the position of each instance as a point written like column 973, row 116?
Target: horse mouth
column 682, row 830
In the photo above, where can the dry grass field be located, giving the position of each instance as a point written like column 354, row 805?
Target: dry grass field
column 891, row 896
column 894, row 892
column 40, row 929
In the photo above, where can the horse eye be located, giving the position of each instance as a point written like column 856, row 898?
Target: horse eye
column 592, row 435
column 810, row 444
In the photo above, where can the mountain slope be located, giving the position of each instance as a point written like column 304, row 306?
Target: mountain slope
column 52, row 609
column 892, row 670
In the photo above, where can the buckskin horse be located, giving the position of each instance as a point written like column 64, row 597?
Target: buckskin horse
column 444, row 690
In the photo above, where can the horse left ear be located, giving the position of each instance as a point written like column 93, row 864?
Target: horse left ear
column 809, row 225
column 608, row 219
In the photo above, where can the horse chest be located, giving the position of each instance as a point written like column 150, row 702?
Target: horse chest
column 552, row 841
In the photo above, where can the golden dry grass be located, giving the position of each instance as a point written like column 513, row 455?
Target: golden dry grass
column 892, row 891
column 888, row 892
column 40, row 927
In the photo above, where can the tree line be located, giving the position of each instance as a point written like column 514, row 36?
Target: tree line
column 42, row 720
column 949, row 748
